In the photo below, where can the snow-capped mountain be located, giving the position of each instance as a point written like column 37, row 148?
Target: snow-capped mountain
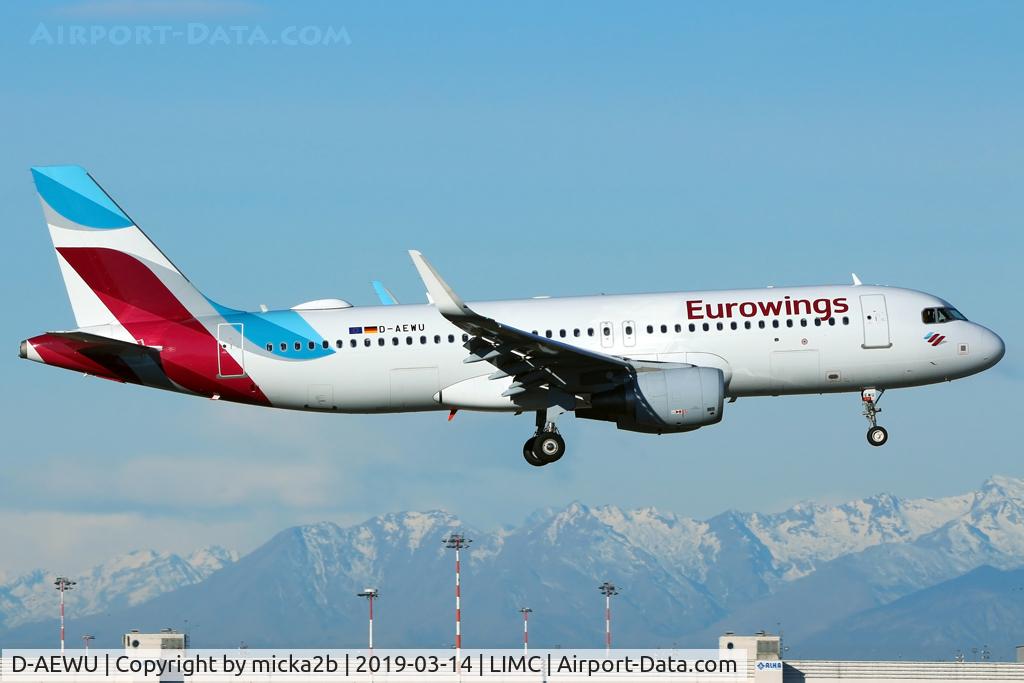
column 810, row 566
column 123, row 581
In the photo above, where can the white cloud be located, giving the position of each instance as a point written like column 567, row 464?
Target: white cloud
column 193, row 482
column 73, row 542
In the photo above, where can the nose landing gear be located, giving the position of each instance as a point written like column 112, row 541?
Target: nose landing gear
column 877, row 436
column 547, row 445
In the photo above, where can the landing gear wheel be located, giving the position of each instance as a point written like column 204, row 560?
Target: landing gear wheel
column 548, row 447
column 877, row 436
column 528, row 453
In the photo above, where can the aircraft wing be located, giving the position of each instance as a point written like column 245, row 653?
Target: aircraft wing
column 536, row 363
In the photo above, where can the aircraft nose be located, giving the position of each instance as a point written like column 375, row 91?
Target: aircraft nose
column 991, row 348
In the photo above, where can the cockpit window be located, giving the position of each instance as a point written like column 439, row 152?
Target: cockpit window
column 934, row 316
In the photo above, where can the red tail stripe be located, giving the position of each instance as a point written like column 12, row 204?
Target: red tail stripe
column 149, row 310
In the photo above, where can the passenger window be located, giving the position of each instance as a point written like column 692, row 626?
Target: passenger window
column 547, row 333
column 693, row 328
column 803, row 322
column 437, row 339
column 789, row 322
column 339, row 343
column 720, row 326
column 590, row 331
column 465, row 338
column 629, row 329
column 270, row 347
column 664, row 329
column 817, row 322
column 311, row 345
column 679, row 328
column 326, row 344
column 298, row 346
column 775, row 324
column 732, row 325
column 561, row 333
column 706, row 327
column 746, row 324
column 366, row 342
column 576, row 332
column 832, row 321
column 408, row 341
column 760, row 323
column 451, row 338
column 380, row 342
column 353, row 343
column 423, row 340
column 650, row 330
column 846, row 320
column 394, row 341
column 284, row 347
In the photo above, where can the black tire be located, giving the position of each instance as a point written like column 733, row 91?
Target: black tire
column 548, row 447
column 528, row 453
column 877, row 436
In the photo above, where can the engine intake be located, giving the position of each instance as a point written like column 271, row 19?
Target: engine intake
column 674, row 400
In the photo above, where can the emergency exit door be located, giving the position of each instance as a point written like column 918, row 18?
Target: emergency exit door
column 875, row 318
column 230, row 350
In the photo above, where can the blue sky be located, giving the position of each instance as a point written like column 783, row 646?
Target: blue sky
column 531, row 148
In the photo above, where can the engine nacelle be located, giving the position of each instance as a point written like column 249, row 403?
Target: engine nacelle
column 674, row 400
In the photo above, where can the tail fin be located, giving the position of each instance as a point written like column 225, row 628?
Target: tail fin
column 113, row 273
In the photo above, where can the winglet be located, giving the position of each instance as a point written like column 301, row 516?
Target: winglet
column 856, row 280
column 446, row 300
column 384, row 294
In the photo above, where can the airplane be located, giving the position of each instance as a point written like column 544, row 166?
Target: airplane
column 652, row 363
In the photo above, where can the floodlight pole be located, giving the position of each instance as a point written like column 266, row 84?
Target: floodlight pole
column 526, row 632
column 87, row 639
column 370, row 594
column 457, row 542
column 608, row 590
column 62, row 584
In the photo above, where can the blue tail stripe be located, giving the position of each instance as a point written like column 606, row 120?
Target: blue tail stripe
column 70, row 191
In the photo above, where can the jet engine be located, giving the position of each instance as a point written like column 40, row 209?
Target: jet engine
column 662, row 401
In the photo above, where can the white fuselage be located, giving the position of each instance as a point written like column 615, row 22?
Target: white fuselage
column 415, row 358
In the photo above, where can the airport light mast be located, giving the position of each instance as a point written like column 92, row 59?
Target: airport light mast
column 87, row 638
column 526, row 632
column 608, row 590
column 457, row 542
column 62, row 584
column 370, row 594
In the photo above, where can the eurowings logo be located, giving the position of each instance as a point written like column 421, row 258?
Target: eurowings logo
column 934, row 338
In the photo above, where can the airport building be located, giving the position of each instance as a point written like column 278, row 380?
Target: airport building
column 765, row 664
column 166, row 639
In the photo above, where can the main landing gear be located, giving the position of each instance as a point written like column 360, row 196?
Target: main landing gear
column 547, row 445
column 877, row 436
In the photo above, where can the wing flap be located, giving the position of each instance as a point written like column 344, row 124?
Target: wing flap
column 535, row 363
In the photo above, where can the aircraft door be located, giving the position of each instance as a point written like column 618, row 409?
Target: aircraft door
column 629, row 333
column 875, row 318
column 230, row 350
column 607, row 335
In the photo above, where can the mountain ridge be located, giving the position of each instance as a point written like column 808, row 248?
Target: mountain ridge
column 809, row 566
